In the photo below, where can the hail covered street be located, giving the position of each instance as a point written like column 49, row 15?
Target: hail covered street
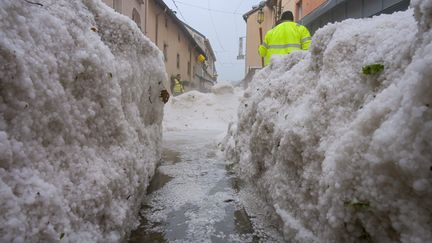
column 194, row 195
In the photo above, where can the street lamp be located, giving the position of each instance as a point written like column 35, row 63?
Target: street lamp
column 260, row 16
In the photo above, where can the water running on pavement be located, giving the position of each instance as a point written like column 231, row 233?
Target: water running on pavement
column 193, row 196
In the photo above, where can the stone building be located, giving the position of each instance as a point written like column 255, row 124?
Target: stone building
column 208, row 73
column 181, row 50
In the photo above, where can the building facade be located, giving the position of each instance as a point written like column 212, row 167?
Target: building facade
column 305, row 7
column 181, row 50
column 207, row 74
column 316, row 13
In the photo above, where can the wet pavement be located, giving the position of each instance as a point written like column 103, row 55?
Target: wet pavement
column 193, row 196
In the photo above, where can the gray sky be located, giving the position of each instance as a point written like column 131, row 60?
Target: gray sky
column 222, row 23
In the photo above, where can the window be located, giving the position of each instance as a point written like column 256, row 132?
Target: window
column 188, row 68
column 179, row 37
column 299, row 10
column 136, row 17
column 166, row 22
column 118, row 5
column 178, row 60
column 165, row 52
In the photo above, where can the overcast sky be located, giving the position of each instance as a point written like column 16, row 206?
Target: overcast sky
column 222, row 23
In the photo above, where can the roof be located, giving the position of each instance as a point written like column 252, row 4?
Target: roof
column 262, row 4
column 180, row 24
column 247, row 14
column 206, row 41
column 194, row 30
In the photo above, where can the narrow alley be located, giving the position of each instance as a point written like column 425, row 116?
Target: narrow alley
column 194, row 195
column 215, row 121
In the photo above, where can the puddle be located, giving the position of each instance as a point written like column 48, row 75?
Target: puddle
column 143, row 234
column 220, row 186
column 237, row 184
column 177, row 224
column 242, row 222
column 170, row 156
column 158, row 181
column 211, row 154
column 238, row 223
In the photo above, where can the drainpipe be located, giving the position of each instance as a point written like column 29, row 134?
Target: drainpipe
column 190, row 64
column 279, row 11
column 145, row 17
column 157, row 26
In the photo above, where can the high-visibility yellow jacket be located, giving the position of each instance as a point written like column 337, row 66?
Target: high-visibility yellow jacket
column 284, row 38
column 178, row 87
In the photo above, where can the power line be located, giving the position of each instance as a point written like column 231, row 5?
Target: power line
column 208, row 9
column 175, row 4
column 214, row 26
column 230, row 63
column 238, row 6
column 223, row 51
column 234, row 19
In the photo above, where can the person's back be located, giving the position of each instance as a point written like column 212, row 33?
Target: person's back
column 284, row 38
column 178, row 86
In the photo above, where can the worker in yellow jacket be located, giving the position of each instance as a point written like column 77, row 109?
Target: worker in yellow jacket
column 178, row 86
column 284, row 38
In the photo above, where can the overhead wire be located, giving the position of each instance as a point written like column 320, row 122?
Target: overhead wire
column 208, row 9
column 175, row 4
column 238, row 6
column 214, row 27
column 211, row 11
column 223, row 51
column 235, row 19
